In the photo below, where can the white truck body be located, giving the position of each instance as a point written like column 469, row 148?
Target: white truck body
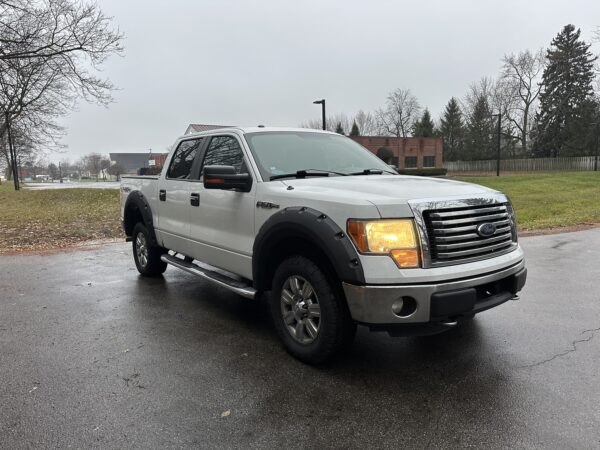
column 221, row 229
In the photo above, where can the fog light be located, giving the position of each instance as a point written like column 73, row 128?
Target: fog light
column 397, row 306
column 404, row 307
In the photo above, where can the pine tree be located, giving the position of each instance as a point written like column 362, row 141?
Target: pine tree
column 339, row 129
column 452, row 130
column 354, row 131
column 565, row 97
column 424, row 126
column 480, row 132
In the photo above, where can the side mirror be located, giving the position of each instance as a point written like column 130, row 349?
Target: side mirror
column 225, row 177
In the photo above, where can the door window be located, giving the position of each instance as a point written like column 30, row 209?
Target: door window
column 225, row 151
column 183, row 159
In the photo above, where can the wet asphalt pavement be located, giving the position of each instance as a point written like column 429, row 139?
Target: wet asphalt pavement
column 93, row 356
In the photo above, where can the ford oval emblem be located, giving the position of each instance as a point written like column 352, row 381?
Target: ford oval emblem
column 486, row 229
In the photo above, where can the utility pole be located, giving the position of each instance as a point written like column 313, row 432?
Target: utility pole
column 498, row 143
column 322, row 103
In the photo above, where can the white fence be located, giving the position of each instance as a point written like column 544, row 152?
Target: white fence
column 565, row 164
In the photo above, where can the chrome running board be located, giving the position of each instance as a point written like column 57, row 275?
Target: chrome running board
column 239, row 287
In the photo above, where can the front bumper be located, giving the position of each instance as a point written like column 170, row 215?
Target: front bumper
column 436, row 302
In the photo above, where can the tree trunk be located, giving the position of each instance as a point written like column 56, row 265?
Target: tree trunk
column 524, row 132
column 13, row 156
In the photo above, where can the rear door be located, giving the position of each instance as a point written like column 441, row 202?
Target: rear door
column 222, row 225
column 175, row 190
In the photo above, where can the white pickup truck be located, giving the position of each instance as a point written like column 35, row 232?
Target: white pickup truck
column 330, row 233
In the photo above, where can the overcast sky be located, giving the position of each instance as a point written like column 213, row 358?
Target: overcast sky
column 264, row 62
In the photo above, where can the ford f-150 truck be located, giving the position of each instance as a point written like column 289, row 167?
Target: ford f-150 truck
column 332, row 235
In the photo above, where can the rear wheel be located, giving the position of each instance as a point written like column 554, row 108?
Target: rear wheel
column 146, row 257
column 309, row 312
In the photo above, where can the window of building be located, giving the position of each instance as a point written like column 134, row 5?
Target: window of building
column 428, row 161
column 183, row 159
column 224, row 151
column 410, row 162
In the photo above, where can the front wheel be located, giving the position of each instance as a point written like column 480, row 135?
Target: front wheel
column 309, row 313
column 146, row 257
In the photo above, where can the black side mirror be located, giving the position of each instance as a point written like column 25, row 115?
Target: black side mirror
column 225, row 177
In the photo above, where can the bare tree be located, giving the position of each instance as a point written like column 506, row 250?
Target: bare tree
column 116, row 170
column 484, row 87
column 367, row 125
column 331, row 123
column 400, row 112
column 48, row 50
column 46, row 29
column 93, row 164
column 520, row 84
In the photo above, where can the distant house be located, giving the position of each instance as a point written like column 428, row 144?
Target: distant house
column 133, row 162
column 405, row 153
column 198, row 127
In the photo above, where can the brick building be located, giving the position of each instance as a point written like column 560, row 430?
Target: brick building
column 405, row 153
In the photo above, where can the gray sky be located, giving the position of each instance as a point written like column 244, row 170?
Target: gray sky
column 264, row 62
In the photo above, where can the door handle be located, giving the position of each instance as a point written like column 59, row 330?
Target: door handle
column 162, row 195
column 195, row 199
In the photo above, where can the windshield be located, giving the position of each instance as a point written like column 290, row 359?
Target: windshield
column 283, row 152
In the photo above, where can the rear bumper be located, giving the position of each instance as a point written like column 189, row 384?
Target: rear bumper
column 441, row 302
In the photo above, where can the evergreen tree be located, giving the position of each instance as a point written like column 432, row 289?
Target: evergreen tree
column 480, row 132
column 565, row 97
column 354, row 131
column 424, row 126
column 339, row 129
column 452, row 130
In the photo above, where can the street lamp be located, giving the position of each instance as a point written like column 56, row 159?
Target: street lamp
column 322, row 103
column 499, row 115
column 597, row 124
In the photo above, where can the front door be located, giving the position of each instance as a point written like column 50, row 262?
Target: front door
column 222, row 226
column 173, row 226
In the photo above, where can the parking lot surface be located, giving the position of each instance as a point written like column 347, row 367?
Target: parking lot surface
column 94, row 356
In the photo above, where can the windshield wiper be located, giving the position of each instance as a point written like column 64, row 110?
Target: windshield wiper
column 306, row 173
column 372, row 172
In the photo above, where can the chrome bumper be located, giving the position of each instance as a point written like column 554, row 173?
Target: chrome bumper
column 374, row 304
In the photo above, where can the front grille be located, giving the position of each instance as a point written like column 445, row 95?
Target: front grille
column 453, row 236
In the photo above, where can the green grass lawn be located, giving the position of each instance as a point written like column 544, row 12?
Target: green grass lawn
column 56, row 218
column 38, row 219
column 549, row 200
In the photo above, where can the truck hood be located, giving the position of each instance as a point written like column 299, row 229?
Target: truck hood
column 389, row 193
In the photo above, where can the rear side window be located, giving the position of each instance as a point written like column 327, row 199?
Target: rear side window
column 183, row 159
column 224, row 151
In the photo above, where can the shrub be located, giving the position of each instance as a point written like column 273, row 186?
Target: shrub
column 427, row 172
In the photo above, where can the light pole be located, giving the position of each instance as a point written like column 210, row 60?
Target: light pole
column 322, row 103
column 597, row 124
column 499, row 115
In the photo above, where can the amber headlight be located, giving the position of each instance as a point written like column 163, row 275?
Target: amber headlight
column 396, row 238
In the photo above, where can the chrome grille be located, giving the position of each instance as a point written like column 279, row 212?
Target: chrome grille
column 453, row 236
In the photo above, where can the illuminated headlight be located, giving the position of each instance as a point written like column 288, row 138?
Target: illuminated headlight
column 396, row 238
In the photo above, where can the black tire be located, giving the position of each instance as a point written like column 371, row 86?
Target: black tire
column 147, row 259
column 335, row 329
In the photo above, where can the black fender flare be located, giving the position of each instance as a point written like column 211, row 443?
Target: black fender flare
column 313, row 226
column 136, row 201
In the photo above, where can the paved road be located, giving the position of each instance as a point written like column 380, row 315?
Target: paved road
column 74, row 185
column 91, row 355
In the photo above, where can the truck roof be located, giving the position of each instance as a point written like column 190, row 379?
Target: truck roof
column 261, row 129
